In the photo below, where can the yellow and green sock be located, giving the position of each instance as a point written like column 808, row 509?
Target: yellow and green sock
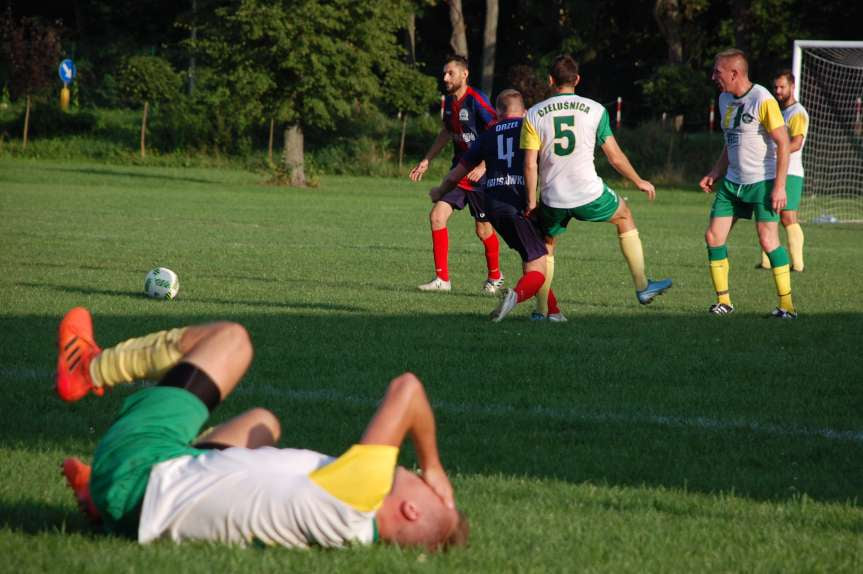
column 147, row 357
column 719, row 267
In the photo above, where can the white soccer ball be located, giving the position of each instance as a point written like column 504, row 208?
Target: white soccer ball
column 161, row 283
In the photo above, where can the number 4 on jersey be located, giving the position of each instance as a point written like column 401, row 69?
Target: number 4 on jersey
column 507, row 153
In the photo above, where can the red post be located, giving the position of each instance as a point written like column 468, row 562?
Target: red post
column 619, row 104
column 712, row 122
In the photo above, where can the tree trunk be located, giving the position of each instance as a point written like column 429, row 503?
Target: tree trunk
column 270, row 143
column 489, row 45
column 144, row 130
column 411, row 38
column 292, row 156
column 458, row 39
column 402, row 142
column 26, row 122
column 194, row 39
column 740, row 16
column 669, row 19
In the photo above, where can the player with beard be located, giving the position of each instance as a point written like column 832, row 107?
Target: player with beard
column 467, row 113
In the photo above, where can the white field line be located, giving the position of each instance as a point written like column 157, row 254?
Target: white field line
column 565, row 414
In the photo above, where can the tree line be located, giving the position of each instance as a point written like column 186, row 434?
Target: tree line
column 309, row 64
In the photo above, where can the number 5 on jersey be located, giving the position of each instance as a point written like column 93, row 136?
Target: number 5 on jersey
column 564, row 129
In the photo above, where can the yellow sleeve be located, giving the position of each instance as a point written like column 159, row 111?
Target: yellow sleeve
column 769, row 115
column 362, row 477
column 798, row 125
column 529, row 138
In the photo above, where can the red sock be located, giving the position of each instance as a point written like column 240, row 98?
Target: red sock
column 552, row 303
column 492, row 256
column 440, row 246
column 529, row 284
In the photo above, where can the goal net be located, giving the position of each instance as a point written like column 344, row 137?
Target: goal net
column 829, row 84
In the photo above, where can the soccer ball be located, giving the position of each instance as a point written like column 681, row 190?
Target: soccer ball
column 161, row 283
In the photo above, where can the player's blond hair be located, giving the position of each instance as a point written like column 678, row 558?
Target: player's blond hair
column 738, row 55
column 510, row 100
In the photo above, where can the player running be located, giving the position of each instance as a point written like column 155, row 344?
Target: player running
column 753, row 167
column 797, row 120
column 558, row 137
column 467, row 113
column 151, row 480
column 506, row 200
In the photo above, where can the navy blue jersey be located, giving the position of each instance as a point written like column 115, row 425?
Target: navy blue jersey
column 504, row 164
column 465, row 119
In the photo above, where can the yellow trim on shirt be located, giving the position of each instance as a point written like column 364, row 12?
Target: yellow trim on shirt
column 797, row 125
column 362, row 477
column 770, row 115
column 529, row 138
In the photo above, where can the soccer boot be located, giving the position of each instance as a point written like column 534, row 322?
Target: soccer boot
column 537, row 316
column 654, row 288
column 491, row 286
column 508, row 301
column 721, row 309
column 780, row 313
column 552, row 317
column 76, row 349
column 77, row 476
column 436, row 284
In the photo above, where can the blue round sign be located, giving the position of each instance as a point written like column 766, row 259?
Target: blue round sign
column 67, row 71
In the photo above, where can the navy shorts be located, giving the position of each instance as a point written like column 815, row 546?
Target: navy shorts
column 519, row 232
column 475, row 201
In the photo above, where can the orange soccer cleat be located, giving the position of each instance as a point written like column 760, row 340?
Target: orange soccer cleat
column 77, row 475
column 76, row 349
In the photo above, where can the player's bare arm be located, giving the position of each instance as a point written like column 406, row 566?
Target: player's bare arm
column 621, row 164
column 405, row 409
column 796, row 144
column 531, row 171
column 715, row 173
column 779, row 199
column 439, row 143
column 449, row 182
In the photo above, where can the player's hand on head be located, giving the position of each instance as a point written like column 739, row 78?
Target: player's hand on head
column 706, row 183
column 437, row 479
column 417, row 172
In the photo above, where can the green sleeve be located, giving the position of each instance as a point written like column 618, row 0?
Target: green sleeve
column 603, row 130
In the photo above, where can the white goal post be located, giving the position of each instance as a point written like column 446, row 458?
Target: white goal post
column 829, row 84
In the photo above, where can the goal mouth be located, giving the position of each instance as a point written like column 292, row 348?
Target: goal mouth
column 829, row 85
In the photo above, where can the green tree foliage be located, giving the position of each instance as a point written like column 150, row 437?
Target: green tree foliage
column 310, row 63
column 678, row 89
column 148, row 79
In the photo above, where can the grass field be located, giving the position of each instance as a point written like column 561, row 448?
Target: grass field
column 629, row 439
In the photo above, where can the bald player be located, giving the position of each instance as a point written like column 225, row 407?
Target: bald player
column 749, row 177
column 151, row 479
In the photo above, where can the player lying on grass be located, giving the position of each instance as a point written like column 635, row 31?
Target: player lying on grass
column 506, row 200
column 150, row 480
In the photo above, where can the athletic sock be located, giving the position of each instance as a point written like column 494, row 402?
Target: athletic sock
column 542, row 295
column 782, row 277
column 630, row 246
column 529, row 284
column 147, row 357
column 719, row 267
column 765, row 261
column 440, row 246
column 492, row 256
column 552, row 303
column 795, row 245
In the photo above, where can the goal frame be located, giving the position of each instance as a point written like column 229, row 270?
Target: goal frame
column 797, row 59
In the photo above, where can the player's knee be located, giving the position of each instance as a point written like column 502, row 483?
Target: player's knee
column 269, row 425
column 789, row 218
column 240, row 341
column 438, row 217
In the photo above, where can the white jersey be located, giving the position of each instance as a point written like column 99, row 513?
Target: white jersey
column 747, row 122
column 566, row 129
column 288, row 497
column 797, row 119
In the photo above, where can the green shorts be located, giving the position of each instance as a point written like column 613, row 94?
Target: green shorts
column 740, row 200
column 155, row 424
column 553, row 220
column 794, row 190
